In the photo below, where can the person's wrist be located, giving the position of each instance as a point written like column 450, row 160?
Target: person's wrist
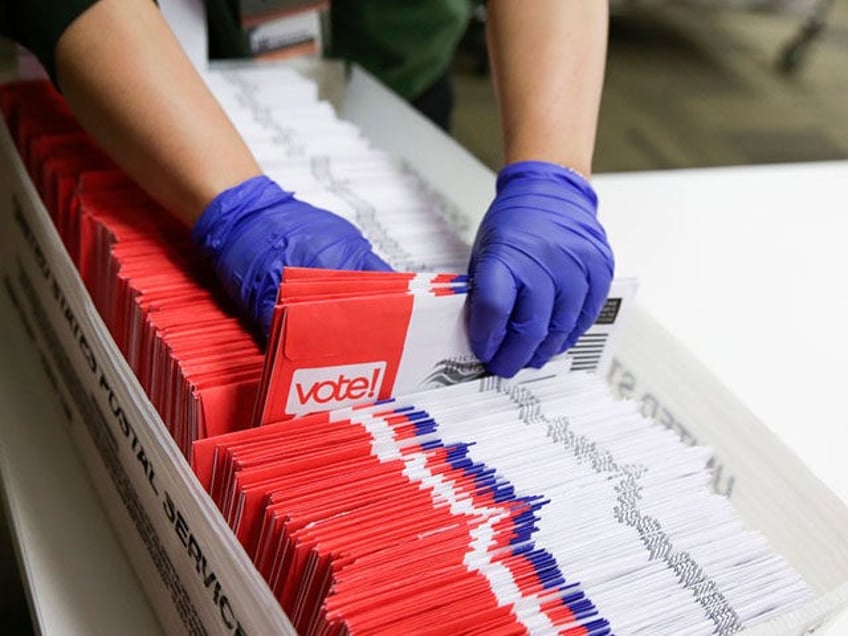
column 543, row 172
column 216, row 223
column 544, row 143
column 206, row 188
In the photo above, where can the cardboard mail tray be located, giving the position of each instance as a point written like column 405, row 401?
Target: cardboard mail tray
column 192, row 567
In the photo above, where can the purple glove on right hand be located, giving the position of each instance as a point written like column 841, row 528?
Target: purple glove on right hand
column 253, row 230
column 540, row 267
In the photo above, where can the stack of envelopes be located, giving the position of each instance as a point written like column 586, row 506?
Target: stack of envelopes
column 379, row 480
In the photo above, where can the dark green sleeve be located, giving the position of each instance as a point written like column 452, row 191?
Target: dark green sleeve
column 407, row 44
column 226, row 39
column 38, row 24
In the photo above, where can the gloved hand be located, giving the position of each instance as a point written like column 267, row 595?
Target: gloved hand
column 540, row 267
column 253, row 230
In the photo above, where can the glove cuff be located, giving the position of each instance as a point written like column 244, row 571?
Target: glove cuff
column 544, row 170
column 215, row 225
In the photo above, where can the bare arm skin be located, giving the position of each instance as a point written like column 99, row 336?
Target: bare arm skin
column 134, row 90
column 548, row 59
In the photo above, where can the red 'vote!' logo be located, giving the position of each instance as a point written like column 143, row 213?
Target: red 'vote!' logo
column 320, row 389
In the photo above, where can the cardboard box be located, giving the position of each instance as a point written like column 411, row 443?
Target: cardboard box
column 194, row 571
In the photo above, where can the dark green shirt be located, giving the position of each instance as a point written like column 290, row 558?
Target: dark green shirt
column 37, row 25
column 408, row 44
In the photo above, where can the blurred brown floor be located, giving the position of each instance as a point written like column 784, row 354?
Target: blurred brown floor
column 690, row 87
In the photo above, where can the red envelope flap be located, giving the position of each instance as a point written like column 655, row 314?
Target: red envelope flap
column 203, row 460
column 334, row 353
column 301, row 289
column 347, row 330
column 228, row 407
column 315, row 274
column 203, row 450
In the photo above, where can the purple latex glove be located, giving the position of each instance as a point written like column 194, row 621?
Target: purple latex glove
column 253, row 230
column 540, row 267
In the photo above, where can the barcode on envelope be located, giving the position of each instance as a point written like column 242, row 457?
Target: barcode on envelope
column 587, row 351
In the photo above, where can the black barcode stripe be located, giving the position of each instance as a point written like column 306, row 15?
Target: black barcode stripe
column 586, row 353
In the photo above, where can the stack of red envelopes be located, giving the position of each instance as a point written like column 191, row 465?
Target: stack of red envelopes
column 194, row 357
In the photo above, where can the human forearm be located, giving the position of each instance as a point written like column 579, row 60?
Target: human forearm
column 540, row 265
column 548, row 59
column 131, row 86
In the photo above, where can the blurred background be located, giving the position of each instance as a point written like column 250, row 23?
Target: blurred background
column 692, row 84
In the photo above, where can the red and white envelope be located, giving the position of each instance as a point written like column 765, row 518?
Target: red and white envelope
column 345, row 338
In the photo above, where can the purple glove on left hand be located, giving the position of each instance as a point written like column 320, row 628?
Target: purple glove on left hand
column 253, row 230
column 540, row 267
